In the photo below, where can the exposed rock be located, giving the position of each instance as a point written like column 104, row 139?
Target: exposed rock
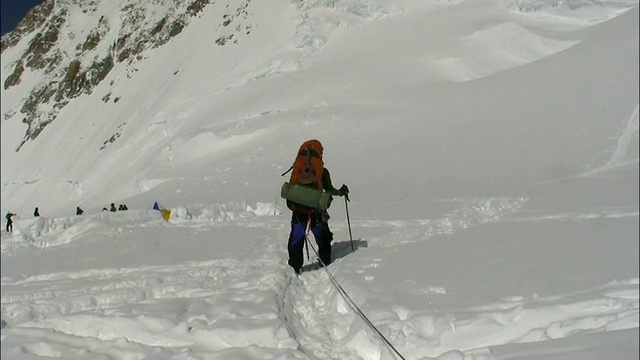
column 70, row 75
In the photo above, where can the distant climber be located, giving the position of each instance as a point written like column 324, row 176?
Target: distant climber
column 9, row 217
column 36, row 212
column 79, row 211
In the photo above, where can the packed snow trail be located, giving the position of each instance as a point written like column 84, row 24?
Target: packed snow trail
column 215, row 284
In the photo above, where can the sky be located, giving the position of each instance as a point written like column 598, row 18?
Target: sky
column 12, row 11
column 491, row 155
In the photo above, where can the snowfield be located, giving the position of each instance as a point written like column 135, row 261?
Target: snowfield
column 490, row 147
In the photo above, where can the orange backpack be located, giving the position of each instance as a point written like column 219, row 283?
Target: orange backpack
column 308, row 166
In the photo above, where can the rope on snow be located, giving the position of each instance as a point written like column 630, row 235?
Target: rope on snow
column 350, row 302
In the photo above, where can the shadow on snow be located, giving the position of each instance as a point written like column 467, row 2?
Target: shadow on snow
column 339, row 250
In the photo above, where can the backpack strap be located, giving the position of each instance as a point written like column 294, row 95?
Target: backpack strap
column 309, row 152
column 286, row 172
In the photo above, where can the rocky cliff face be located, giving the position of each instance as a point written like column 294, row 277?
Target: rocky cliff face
column 70, row 60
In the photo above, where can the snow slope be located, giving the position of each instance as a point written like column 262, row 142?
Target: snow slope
column 491, row 153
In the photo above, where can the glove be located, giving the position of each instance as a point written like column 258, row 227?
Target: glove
column 344, row 190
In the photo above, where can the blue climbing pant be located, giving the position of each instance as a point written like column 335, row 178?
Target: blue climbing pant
column 320, row 229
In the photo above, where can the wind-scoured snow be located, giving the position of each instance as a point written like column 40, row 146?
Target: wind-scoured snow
column 491, row 150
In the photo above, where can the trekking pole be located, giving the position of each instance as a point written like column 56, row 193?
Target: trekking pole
column 346, row 198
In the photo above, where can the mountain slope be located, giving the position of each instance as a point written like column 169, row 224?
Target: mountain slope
column 491, row 149
column 226, row 104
